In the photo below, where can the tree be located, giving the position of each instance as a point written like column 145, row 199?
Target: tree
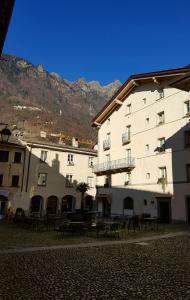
column 82, row 187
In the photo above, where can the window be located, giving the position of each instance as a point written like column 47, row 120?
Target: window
column 4, row 156
column 147, row 175
column 15, row 180
column 127, row 178
column 42, row 179
column 145, row 202
column 162, row 172
column 188, row 172
column 187, row 107
column 128, row 203
column 147, row 121
column 1, row 179
column 160, row 93
column 187, row 138
column 43, row 156
column 108, row 121
column 70, row 159
column 90, row 161
column 128, row 154
column 161, row 145
column 17, row 158
column 147, row 147
column 161, row 118
column 90, row 181
column 128, row 130
column 128, row 109
column 69, row 180
column 144, row 100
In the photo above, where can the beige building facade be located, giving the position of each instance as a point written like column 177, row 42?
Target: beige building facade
column 51, row 174
column 143, row 164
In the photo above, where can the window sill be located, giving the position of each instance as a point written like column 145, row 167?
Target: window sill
column 128, row 114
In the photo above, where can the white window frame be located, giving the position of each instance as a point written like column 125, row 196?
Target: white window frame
column 43, row 155
column 69, row 180
column 147, row 147
column 70, row 159
column 162, row 172
column 91, row 161
column 128, row 109
column 160, row 93
column 148, row 175
column 42, row 179
column 161, row 144
column 161, row 118
column 90, row 181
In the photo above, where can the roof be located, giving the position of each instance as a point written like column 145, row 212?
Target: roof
column 182, row 83
column 60, row 147
column 133, row 81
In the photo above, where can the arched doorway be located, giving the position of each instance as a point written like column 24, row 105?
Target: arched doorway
column 52, row 203
column 89, row 202
column 128, row 205
column 67, row 203
column 36, row 204
column 3, row 205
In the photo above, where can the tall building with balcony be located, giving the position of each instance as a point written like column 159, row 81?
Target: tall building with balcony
column 143, row 164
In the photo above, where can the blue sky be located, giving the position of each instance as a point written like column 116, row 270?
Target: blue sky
column 101, row 40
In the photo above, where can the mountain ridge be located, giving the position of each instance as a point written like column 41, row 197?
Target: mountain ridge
column 65, row 106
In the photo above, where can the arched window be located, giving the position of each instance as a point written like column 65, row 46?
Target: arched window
column 36, row 204
column 68, row 203
column 128, row 203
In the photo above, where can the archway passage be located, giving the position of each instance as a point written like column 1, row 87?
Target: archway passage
column 36, row 204
column 89, row 202
column 52, row 203
column 128, row 205
column 68, row 203
column 3, row 205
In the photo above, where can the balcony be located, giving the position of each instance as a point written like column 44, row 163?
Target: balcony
column 126, row 138
column 115, row 166
column 106, row 144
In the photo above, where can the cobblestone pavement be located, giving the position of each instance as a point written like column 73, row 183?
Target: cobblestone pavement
column 153, row 270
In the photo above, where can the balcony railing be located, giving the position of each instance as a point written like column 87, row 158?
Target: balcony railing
column 126, row 138
column 115, row 166
column 106, row 144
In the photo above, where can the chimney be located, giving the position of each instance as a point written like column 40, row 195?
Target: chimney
column 75, row 142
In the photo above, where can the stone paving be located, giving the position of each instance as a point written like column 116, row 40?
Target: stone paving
column 158, row 269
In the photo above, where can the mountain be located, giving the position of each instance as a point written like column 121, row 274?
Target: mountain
column 33, row 99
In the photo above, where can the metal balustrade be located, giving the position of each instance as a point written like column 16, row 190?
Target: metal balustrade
column 115, row 166
column 126, row 138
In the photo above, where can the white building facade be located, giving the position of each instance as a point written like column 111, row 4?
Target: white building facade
column 51, row 174
column 143, row 162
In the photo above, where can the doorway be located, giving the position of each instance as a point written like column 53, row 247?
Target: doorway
column 164, row 210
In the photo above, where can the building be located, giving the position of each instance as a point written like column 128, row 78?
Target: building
column 143, row 148
column 12, row 158
column 51, row 174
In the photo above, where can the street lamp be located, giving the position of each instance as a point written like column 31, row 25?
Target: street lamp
column 5, row 134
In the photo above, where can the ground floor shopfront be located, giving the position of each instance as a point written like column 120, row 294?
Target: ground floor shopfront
column 167, row 208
